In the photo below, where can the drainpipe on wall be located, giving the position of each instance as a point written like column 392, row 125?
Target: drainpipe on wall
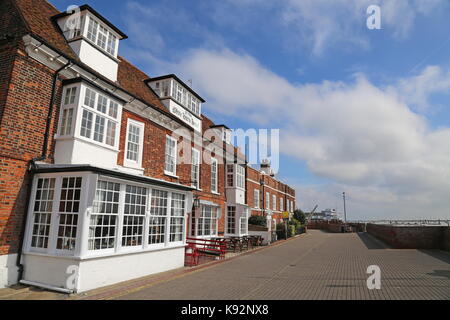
column 32, row 167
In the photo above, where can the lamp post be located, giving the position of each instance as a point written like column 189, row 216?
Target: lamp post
column 345, row 211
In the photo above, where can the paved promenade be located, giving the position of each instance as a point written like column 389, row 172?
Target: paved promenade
column 314, row 266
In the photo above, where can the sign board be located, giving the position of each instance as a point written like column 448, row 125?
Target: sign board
column 285, row 215
column 185, row 116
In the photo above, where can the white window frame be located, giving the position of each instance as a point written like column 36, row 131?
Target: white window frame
column 200, row 222
column 240, row 177
column 195, row 174
column 235, row 220
column 274, row 202
column 55, row 215
column 267, row 201
column 109, row 33
column 174, row 173
column 256, row 198
column 281, row 204
column 230, row 174
column 128, row 162
column 89, row 182
column 214, row 176
column 94, row 111
column 69, row 103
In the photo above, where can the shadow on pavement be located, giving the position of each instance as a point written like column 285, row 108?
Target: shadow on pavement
column 371, row 242
column 438, row 254
column 440, row 273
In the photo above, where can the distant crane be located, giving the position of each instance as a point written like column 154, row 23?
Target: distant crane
column 308, row 217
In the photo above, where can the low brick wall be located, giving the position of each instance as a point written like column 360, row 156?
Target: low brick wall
column 326, row 225
column 446, row 239
column 406, row 237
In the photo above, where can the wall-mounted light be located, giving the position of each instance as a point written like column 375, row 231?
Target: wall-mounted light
column 196, row 202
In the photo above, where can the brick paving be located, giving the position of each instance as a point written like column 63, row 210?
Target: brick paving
column 315, row 266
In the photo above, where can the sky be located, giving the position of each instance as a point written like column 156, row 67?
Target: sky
column 361, row 111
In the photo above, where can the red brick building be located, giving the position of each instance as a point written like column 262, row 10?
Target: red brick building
column 103, row 167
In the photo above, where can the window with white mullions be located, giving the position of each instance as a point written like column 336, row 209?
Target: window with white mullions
column 102, row 37
column 66, row 112
column 103, row 220
column 92, row 30
column 243, row 225
column 207, row 222
column 134, row 213
column 171, row 153
column 158, row 217
column 240, row 176
column 99, row 129
column 274, row 202
column 70, row 96
column 99, row 119
column 195, row 169
column 177, row 217
column 69, row 208
column 89, row 98
column 43, row 207
column 231, row 220
column 66, row 122
column 134, row 133
column 256, row 198
column 214, row 170
column 230, row 175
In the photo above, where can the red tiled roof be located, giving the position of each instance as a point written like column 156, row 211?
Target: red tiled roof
column 36, row 15
column 132, row 79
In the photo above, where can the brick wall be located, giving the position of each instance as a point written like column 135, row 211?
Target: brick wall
column 334, row 227
column 153, row 155
column 23, row 121
column 446, row 239
column 404, row 237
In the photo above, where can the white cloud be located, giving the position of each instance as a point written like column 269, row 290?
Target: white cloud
column 364, row 138
column 323, row 24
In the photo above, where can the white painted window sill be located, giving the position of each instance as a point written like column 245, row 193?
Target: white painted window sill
column 169, row 174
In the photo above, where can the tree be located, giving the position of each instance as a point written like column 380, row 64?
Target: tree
column 258, row 221
column 300, row 216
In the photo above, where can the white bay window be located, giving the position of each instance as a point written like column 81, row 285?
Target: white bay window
column 119, row 216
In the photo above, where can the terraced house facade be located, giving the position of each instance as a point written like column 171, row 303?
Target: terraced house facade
column 101, row 176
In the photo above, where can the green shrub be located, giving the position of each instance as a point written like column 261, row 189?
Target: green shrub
column 291, row 231
column 281, row 231
column 258, row 221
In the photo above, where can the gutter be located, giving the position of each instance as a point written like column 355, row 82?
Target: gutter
column 31, row 169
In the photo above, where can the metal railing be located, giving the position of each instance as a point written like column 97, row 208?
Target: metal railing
column 422, row 222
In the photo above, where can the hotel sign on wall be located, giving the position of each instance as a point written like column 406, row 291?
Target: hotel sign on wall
column 186, row 116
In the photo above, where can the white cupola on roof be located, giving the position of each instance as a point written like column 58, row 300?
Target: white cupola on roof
column 93, row 38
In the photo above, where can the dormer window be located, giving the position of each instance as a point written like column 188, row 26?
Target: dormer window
column 171, row 87
column 103, row 38
column 93, row 38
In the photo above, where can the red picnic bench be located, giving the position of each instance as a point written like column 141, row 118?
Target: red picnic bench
column 196, row 247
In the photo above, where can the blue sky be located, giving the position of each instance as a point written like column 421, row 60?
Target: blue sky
column 362, row 111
